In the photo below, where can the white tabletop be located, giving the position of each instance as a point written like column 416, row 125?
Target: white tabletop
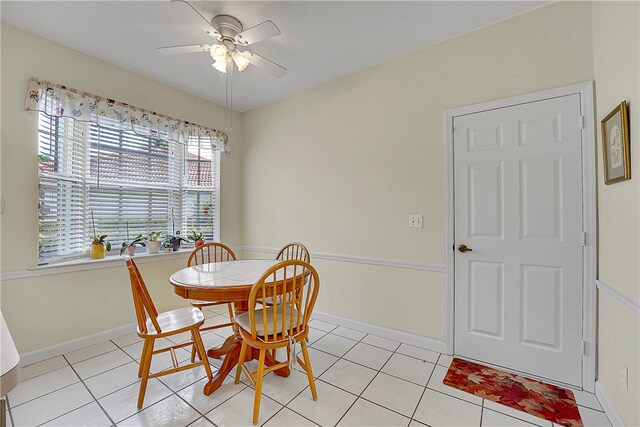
column 223, row 274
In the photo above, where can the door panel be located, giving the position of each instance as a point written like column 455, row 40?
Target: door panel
column 518, row 206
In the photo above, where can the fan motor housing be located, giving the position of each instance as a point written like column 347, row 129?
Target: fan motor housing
column 227, row 25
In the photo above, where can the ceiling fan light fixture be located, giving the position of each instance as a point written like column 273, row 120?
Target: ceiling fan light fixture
column 218, row 52
column 220, row 65
column 242, row 59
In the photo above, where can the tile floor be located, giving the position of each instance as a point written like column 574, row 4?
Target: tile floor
column 362, row 380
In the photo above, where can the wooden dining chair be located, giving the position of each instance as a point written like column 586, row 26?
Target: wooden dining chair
column 294, row 250
column 293, row 285
column 206, row 254
column 153, row 325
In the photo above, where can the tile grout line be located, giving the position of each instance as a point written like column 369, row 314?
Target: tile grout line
column 90, row 393
column 423, row 392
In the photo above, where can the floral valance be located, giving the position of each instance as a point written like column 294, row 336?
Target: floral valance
column 58, row 100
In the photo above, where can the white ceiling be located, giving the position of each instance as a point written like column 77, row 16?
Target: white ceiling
column 320, row 40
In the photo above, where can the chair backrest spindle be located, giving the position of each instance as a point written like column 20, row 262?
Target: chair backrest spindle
column 294, row 250
column 211, row 253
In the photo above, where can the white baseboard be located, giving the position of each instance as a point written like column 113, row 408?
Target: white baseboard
column 609, row 409
column 76, row 344
column 429, row 343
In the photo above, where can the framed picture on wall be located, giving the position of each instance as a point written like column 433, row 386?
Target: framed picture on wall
column 616, row 146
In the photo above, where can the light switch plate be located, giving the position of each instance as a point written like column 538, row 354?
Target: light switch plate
column 415, row 221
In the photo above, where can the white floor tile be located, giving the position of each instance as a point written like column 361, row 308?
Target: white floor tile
column 408, row 368
column 171, row 411
column 135, row 350
column 181, row 379
column 349, row 376
column 415, row 423
column 331, row 405
column 334, row 344
column 437, row 409
column 91, row 351
column 113, row 380
column 50, row 406
column 283, row 389
column 394, row 393
column 41, row 385
column 323, row 326
column 524, row 416
column 218, row 309
column 88, row 415
column 104, row 362
column 368, row 355
column 202, row 422
column 418, row 353
column 320, row 361
column 589, row 400
column 445, row 360
column 349, row 333
column 496, row 419
column 385, row 343
column 127, row 339
column 180, row 338
column 287, row 418
column 163, row 361
column 435, row 383
column 194, row 394
column 366, row 414
column 39, row 368
column 124, row 403
column 238, row 411
column 9, row 423
column 315, row 335
column 592, row 418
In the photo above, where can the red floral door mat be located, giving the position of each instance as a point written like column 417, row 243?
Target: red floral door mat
column 542, row 400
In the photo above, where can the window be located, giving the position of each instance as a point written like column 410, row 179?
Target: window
column 120, row 181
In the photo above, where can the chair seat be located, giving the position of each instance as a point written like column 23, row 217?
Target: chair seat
column 243, row 320
column 175, row 321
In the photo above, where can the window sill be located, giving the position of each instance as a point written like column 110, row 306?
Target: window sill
column 84, row 264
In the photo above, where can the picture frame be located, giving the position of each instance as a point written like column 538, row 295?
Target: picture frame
column 616, row 146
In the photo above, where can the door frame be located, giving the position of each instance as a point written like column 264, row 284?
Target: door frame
column 589, row 215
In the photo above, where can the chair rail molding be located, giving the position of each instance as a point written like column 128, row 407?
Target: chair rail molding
column 632, row 305
column 412, row 265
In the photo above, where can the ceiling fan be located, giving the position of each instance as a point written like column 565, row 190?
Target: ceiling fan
column 230, row 35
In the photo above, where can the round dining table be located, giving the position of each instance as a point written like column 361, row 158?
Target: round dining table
column 229, row 281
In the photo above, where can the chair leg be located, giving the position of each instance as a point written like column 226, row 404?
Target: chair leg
column 194, row 352
column 243, row 350
column 202, row 352
column 256, row 402
column 307, row 362
column 146, row 365
column 145, row 346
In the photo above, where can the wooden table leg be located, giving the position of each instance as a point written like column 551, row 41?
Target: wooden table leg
column 233, row 344
column 218, row 352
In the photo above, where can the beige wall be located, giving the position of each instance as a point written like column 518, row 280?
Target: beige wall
column 616, row 45
column 48, row 310
column 342, row 165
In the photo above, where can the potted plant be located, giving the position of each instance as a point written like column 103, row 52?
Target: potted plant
column 174, row 242
column 197, row 238
column 153, row 244
column 130, row 246
column 98, row 243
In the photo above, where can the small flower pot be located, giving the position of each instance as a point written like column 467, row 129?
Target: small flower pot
column 175, row 244
column 153, row 247
column 131, row 250
column 199, row 243
column 97, row 251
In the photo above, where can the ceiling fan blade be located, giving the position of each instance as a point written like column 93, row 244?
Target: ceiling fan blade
column 209, row 28
column 269, row 66
column 257, row 33
column 188, row 48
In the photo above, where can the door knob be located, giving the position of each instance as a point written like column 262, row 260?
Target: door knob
column 463, row 248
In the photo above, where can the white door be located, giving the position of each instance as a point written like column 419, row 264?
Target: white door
column 518, row 208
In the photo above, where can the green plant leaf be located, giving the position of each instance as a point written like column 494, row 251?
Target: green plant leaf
column 108, row 246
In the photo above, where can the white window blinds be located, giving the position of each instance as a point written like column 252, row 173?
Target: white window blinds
column 126, row 180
